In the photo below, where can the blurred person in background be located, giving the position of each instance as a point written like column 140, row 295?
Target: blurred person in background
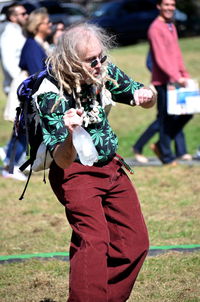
column 11, row 43
column 32, row 60
column 57, row 31
column 167, row 68
column 153, row 128
column 36, row 47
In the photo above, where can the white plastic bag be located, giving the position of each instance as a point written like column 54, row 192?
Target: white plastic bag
column 84, row 146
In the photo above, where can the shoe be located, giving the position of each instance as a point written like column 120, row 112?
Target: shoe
column 141, row 158
column 17, row 174
column 198, row 153
column 171, row 164
column 186, row 157
column 2, row 153
column 155, row 149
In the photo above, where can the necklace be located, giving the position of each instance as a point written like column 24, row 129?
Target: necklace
column 90, row 105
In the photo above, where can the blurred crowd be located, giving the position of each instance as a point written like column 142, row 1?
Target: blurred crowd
column 24, row 46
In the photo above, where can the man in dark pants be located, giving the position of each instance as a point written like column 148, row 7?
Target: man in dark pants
column 170, row 127
column 168, row 68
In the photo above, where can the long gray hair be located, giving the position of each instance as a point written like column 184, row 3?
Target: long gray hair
column 64, row 63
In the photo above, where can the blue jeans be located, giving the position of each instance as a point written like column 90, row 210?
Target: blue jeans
column 179, row 139
column 20, row 148
column 170, row 126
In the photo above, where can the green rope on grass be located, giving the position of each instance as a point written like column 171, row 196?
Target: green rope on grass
column 66, row 254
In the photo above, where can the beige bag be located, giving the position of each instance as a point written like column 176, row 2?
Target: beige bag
column 43, row 159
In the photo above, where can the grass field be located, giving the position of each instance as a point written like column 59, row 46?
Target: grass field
column 169, row 198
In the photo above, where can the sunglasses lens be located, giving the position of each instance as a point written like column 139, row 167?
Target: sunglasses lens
column 103, row 59
column 94, row 63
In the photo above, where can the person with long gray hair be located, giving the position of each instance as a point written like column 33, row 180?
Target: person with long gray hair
column 109, row 241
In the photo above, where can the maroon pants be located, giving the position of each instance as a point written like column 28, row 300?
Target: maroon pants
column 109, row 241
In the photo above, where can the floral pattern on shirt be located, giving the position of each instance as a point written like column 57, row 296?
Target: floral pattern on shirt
column 104, row 139
column 123, row 92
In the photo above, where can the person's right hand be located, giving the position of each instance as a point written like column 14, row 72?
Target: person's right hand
column 182, row 82
column 73, row 117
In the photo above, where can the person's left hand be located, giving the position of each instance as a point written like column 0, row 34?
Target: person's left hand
column 144, row 97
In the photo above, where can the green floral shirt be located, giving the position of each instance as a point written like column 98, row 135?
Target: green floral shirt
column 104, row 139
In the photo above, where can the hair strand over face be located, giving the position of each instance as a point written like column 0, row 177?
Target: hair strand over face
column 64, row 62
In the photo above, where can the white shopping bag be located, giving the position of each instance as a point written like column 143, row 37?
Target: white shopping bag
column 184, row 100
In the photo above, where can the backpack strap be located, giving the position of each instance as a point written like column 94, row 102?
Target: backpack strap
column 26, row 126
column 13, row 153
column 45, row 160
column 36, row 79
column 25, row 165
column 26, row 185
column 14, row 135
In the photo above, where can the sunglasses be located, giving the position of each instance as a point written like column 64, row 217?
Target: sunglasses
column 22, row 14
column 96, row 61
column 46, row 23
